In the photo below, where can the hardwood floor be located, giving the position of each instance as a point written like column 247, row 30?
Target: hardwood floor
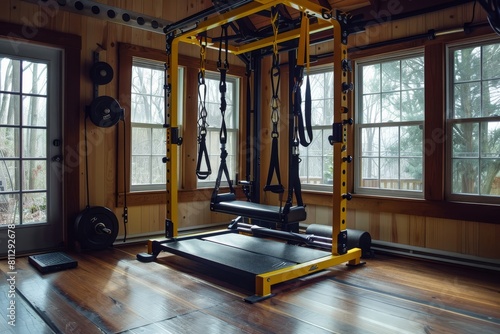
column 112, row 292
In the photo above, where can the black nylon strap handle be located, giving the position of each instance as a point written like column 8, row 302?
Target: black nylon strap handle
column 203, row 157
column 223, row 68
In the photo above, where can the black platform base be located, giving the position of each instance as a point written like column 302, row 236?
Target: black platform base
column 241, row 256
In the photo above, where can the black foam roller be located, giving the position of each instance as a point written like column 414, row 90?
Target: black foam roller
column 355, row 238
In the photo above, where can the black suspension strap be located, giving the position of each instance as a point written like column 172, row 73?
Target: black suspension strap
column 303, row 60
column 274, row 166
column 223, row 67
column 203, row 157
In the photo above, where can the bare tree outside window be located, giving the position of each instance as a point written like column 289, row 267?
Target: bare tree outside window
column 390, row 126
column 474, row 120
column 23, row 141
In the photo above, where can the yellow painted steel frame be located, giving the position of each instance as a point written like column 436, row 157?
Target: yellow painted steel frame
column 265, row 281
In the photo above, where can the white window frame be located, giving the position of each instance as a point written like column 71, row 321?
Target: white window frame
column 359, row 126
column 148, row 63
column 450, row 122
column 327, row 127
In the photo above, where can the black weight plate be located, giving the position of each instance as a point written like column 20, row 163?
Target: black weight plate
column 85, row 228
column 105, row 111
column 101, row 73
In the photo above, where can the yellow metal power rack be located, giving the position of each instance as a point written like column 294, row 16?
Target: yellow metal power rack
column 326, row 20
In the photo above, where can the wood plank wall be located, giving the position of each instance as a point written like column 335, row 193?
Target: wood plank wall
column 435, row 233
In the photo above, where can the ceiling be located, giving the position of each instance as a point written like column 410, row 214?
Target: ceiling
column 256, row 27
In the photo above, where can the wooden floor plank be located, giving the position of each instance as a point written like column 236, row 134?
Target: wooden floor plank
column 112, row 292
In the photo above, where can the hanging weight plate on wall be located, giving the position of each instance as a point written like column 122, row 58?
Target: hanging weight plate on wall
column 105, row 111
column 101, row 73
column 96, row 228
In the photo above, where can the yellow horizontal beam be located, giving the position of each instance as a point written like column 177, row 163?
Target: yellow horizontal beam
column 263, row 282
column 309, row 7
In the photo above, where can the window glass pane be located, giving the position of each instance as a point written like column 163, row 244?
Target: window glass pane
column 467, row 64
column 491, row 70
column 157, row 82
column 389, row 142
column 410, row 141
column 141, row 145
column 141, row 80
column 412, row 105
column 465, row 176
column 491, row 98
column 158, row 175
column 391, row 107
column 411, row 173
column 369, row 142
column 466, row 140
column 391, row 72
column 159, row 142
column 490, row 177
column 389, row 171
column 371, row 79
column 157, row 110
column 141, row 170
column 148, row 145
column 371, row 109
column 412, row 73
column 140, row 108
column 370, row 172
column 391, row 156
column 467, row 100
column 490, row 139
column 475, row 93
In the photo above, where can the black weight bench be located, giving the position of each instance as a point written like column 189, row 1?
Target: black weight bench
column 227, row 203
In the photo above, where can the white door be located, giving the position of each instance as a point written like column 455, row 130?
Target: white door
column 30, row 148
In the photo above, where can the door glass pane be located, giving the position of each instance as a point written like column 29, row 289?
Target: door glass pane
column 10, row 105
column 23, row 141
column 34, row 143
column 34, row 175
column 10, row 77
column 34, row 78
column 34, row 207
column 34, row 111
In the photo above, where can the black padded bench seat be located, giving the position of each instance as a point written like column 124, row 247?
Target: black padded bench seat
column 271, row 213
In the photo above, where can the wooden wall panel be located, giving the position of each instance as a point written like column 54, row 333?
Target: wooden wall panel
column 443, row 234
column 488, row 240
column 465, row 237
column 416, row 231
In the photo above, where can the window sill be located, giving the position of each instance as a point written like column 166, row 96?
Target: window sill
column 138, row 198
column 477, row 212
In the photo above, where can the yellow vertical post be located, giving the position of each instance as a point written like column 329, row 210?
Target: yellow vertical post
column 172, row 147
column 340, row 169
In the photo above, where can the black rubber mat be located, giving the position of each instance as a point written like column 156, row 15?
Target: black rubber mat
column 286, row 252
column 226, row 257
column 242, row 254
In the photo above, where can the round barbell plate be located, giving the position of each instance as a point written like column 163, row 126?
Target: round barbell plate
column 85, row 228
column 101, row 73
column 105, row 111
